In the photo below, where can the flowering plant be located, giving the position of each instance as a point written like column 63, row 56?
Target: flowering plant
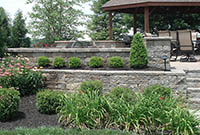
column 43, row 45
column 17, row 72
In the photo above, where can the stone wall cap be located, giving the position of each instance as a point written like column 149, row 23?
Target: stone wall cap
column 157, row 38
column 96, row 41
column 121, row 72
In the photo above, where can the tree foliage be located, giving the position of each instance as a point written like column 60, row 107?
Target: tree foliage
column 138, row 52
column 4, row 31
column 19, row 32
column 56, row 19
column 99, row 23
column 165, row 21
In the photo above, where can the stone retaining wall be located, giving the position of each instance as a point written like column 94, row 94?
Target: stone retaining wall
column 71, row 79
column 91, row 44
column 83, row 53
column 156, row 47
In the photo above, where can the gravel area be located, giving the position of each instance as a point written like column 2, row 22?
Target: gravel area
column 29, row 117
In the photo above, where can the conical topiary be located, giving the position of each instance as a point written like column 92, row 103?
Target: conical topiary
column 138, row 53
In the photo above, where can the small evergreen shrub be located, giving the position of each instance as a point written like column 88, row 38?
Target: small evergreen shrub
column 48, row 101
column 115, row 62
column 96, row 62
column 43, row 61
column 74, row 62
column 89, row 87
column 138, row 53
column 9, row 103
column 58, row 62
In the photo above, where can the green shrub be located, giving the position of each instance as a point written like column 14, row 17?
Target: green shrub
column 158, row 90
column 9, row 103
column 74, row 62
column 18, row 73
column 124, row 93
column 138, row 53
column 43, row 61
column 58, row 62
column 48, row 101
column 89, row 87
column 115, row 62
column 152, row 113
column 96, row 62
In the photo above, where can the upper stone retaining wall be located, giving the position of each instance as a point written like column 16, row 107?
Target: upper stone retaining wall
column 83, row 53
column 156, row 47
column 91, row 44
column 137, row 80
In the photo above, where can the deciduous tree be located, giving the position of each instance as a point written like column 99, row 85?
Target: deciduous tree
column 56, row 19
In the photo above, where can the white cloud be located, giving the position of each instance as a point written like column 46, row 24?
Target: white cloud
column 11, row 7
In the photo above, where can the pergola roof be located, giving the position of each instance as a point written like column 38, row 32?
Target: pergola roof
column 150, row 7
column 119, row 5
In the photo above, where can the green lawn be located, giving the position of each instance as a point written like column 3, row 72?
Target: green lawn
column 60, row 131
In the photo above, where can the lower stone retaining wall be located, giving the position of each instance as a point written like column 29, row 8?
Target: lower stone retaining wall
column 70, row 80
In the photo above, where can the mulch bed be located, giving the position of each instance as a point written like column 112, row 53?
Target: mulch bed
column 83, row 67
column 29, row 117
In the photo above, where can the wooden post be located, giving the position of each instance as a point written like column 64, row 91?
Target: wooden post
column 110, row 25
column 134, row 23
column 146, row 19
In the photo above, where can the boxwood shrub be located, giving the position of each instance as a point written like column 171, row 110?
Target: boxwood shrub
column 96, row 62
column 47, row 101
column 43, row 61
column 115, row 62
column 74, row 62
column 59, row 62
column 9, row 103
column 138, row 53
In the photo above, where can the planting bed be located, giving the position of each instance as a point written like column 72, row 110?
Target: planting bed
column 29, row 117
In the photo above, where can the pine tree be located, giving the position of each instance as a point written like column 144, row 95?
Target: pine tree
column 19, row 32
column 138, row 53
column 4, row 32
column 99, row 23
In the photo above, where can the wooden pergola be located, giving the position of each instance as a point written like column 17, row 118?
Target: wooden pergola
column 148, row 7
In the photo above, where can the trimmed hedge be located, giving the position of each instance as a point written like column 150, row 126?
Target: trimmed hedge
column 43, row 61
column 48, row 101
column 96, row 62
column 9, row 103
column 115, row 62
column 74, row 62
column 58, row 62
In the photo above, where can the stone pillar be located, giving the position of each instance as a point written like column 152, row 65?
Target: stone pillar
column 157, row 47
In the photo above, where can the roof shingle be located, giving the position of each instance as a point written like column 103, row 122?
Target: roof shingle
column 113, row 3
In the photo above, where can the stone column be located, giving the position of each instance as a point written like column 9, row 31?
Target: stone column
column 157, row 47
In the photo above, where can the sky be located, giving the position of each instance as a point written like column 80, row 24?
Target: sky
column 11, row 7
